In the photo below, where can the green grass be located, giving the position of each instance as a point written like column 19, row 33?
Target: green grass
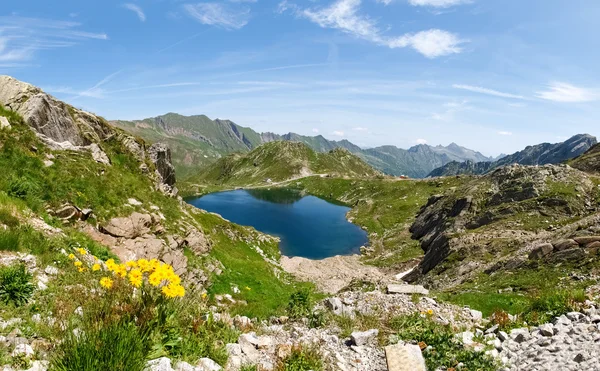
column 264, row 292
column 533, row 295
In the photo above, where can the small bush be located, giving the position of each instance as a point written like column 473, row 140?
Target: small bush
column 300, row 304
column 118, row 347
column 302, row 359
column 15, row 285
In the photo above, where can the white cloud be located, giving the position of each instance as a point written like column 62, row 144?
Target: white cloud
column 315, row 130
column 338, row 133
column 505, row 133
column 344, row 15
column 22, row 37
column 431, row 43
column 567, row 93
column 482, row 90
column 137, row 10
column 220, row 15
column 437, row 3
column 421, row 141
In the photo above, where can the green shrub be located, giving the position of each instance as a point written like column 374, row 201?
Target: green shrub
column 249, row 368
column 300, row 304
column 443, row 349
column 302, row 359
column 118, row 347
column 15, row 285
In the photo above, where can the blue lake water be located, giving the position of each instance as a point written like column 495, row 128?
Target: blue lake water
column 308, row 226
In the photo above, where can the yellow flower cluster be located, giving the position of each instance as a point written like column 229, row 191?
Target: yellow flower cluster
column 157, row 274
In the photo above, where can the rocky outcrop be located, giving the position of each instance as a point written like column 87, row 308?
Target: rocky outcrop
column 500, row 206
column 160, row 155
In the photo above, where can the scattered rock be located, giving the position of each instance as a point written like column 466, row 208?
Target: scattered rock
column 4, row 124
column 541, row 251
column 159, row 364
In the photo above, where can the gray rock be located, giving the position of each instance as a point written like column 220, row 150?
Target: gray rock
column 477, row 315
column 519, row 335
column 503, row 336
column 207, row 364
column 23, row 349
column 565, row 244
column 363, row 337
column 159, row 364
column 541, row 251
column 406, row 289
column 546, row 329
column 160, row 155
column 404, row 358
column 98, row 154
column 184, row 366
column 335, row 305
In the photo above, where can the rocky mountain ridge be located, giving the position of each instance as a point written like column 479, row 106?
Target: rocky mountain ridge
column 541, row 154
column 199, row 141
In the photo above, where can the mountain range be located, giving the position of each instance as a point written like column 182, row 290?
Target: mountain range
column 198, row 141
column 541, row 154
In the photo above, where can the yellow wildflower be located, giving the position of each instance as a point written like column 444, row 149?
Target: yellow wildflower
column 71, row 256
column 106, row 282
column 204, row 295
column 136, row 277
column 96, row 267
column 173, row 291
column 144, row 265
column 110, row 264
column 248, row 288
column 81, row 251
column 430, row 312
column 131, row 264
column 120, row 270
column 78, row 264
column 81, row 269
column 155, row 279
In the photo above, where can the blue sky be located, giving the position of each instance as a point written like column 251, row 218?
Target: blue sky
column 492, row 75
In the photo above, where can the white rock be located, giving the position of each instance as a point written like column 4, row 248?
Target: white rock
column 363, row 337
column 39, row 366
column 23, row 349
column 477, row 315
column 50, row 270
column 134, row 202
column 207, row 364
column 466, row 337
column 184, row 366
column 159, row 364
column 404, row 358
column 79, row 311
column 519, row 334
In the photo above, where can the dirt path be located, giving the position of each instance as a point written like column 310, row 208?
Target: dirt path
column 332, row 274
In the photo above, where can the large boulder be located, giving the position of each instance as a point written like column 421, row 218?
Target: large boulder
column 129, row 227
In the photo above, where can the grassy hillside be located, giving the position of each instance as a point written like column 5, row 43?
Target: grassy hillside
column 280, row 161
column 589, row 161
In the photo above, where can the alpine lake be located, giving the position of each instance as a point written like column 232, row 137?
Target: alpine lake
column 308, row 226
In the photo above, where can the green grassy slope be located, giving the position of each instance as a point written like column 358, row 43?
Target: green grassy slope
column 280, row 161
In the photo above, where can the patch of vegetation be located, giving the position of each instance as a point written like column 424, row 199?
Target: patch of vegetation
column 441, row 347
column 15, row 285
column 302, row 359
column 118, row 346
column 529, row 293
